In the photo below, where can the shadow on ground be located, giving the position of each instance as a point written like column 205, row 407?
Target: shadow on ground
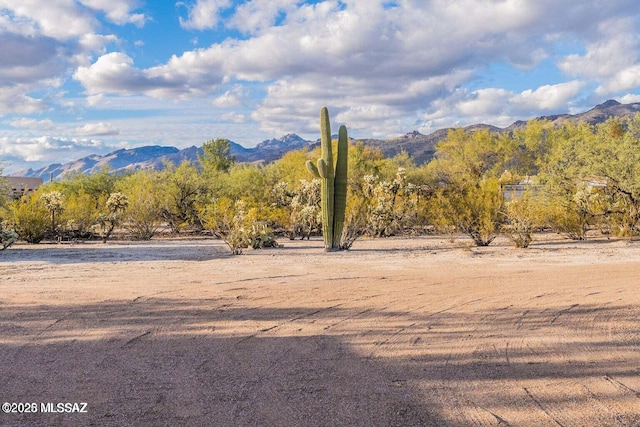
column 156, row 362
column 67, row 253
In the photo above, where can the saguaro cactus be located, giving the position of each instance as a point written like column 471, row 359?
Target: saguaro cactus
column 334, row 182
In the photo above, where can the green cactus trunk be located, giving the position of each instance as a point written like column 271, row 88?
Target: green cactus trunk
column 334, row 182
column 340, row 187
column 328, row 179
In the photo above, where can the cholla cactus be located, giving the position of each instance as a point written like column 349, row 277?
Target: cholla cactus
column 262, row 236
column 235, row 230
column 281, row 194
column 116, row 204
column 370, row 183
column 392, row 203
column 305, row 216
column 54, row 202
column 7, row 237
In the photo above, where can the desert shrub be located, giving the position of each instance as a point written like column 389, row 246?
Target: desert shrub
column 183, row 189
column 594, row 170
column 474, row 210
column 522, row 219
column 231, row 222
column 465, row 174
column 623, row 218
column 563, row 217
column 355, row 223
column 29, row 218
column 586, row 206
column 79, row 216
column 145, row 200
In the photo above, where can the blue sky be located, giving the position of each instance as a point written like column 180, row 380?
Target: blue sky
column 80, row 77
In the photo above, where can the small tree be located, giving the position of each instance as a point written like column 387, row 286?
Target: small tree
column 183, row 190
column 474, row 210
column 216, row 156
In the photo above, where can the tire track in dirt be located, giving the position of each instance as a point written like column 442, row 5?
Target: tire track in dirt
column 290, row 324
column 589, row 398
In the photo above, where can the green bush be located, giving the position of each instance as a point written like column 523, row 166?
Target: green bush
column 29, row 218
column 523, row 217
column 145, row 200
column 229, row 221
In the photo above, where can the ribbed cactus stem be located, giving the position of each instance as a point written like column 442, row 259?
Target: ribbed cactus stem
column 325, row 167
column 340, row 186
column 334, row 182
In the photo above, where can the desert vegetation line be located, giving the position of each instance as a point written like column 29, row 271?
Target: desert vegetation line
column 573, row 179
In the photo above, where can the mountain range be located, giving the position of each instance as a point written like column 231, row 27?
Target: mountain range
column 420, row 147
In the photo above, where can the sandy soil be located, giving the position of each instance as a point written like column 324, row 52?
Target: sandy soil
column 396, row 332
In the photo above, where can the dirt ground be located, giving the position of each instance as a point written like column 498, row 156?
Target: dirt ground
column 396, row 332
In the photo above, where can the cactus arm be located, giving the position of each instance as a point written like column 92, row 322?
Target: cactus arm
column 313, row 170
column 325, row 136
column 323, row 168
column 340, row 186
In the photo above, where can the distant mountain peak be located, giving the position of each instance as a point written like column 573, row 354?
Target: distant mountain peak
column 413, row 134
column 609, row 103
column 288, row 139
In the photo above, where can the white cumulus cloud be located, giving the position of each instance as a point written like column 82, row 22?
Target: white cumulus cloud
column 97, row 129
column 118, row 11
column 30, row 123
column 203, row 14
column 183, row 77
column 46, row 148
